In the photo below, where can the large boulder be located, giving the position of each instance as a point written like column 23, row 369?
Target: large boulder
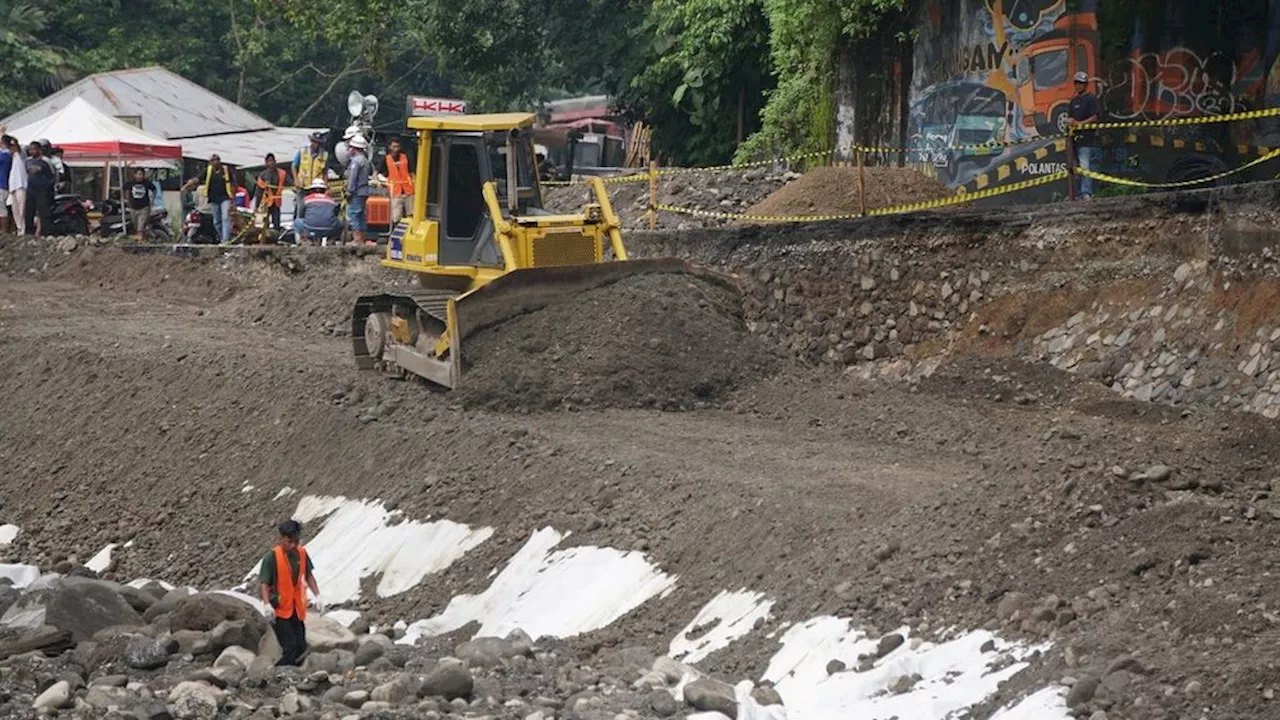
column 710, row 695
column 147, row 653
column 492, row 651
column 204, row 611
column 193, row 700
column 369, row 651
column 334, row 662
column 166, row 604
column 55, row 697
column 449, row 679
column 46, row 639
column 324, row 634
column 194, row 642
column 403, row 687
column 8, row 596
column 103, row 697
column 139, row 600
column 244, row 633
column 27, row 613
column 83, row 607
column 236, row 656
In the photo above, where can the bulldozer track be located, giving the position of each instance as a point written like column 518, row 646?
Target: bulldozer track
column 434, row 303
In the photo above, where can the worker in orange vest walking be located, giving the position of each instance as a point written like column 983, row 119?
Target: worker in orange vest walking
column 270, row 190
column 285, row 575
column 399, row 181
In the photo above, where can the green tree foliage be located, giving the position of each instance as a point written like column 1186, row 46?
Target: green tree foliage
column 805, row 38
column 31, row 66
column 702, row 77
column 705, row 74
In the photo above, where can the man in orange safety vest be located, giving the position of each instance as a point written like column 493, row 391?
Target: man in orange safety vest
column 270, row 189
column 399, row 181
column 284, row 576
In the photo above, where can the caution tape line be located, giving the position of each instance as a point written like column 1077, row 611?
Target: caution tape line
column 605, row 180
column 1172, row 122
column 992, row 145
column 752, row 164
column 643, row 176
column 1184, row 183
column 957, row 199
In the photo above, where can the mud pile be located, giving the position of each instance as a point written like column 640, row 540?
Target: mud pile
column 664, row 341
column 713, row 190
column 835, row 191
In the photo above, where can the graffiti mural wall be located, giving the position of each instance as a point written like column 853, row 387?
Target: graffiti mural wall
column 999, row 73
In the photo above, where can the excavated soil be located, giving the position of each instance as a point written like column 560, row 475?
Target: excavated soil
column 715, row 190
column 835, row 191
column 663, row 341
column 993, row 493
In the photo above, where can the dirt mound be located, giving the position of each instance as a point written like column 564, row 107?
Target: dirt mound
column 834, row 191
column 165, row 276
column 717, row 190
column 660, row 341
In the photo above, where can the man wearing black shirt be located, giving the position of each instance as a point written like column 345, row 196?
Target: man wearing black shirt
column 40, row 183
column 1084, row 109
column 140, row 194
column 218, row 191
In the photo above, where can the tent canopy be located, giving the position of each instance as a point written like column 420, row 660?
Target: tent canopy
column 86, row 134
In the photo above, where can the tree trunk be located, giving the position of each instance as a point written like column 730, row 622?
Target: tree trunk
column 742, row 113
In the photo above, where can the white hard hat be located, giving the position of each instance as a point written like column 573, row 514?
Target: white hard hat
column 319, row 184
column 1082, row 77
column 358, row 142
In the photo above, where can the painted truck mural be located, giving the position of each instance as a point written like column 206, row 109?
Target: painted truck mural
column 999, row 72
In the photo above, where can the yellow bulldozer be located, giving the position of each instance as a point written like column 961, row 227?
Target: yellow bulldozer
column 482, row 247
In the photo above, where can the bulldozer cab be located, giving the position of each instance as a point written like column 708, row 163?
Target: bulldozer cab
column 460, row 165
column 478, row 207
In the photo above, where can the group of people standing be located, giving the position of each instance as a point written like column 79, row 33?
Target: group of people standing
column 316, row 211
column 28, row 183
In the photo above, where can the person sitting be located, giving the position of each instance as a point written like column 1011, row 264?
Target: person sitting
column 319, row 217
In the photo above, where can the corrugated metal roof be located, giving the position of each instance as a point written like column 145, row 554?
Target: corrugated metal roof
column 168, row 104
column 248, row 149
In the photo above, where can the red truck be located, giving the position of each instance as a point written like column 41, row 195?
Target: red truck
column 1044, row 68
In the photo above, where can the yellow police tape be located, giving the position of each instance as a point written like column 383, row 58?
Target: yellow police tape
column 754, row 163
column 1229, row 117
column 957, row 199
column 1184, row 183
column 643, row 176
column 990, row 145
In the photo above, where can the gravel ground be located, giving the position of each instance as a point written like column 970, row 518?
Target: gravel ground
column 1138, row 538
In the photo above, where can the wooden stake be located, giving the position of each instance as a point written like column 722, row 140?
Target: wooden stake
column 1071, row 166
column 653, row 194
column 862, row 185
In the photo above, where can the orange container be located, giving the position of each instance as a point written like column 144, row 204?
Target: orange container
column 378, row 210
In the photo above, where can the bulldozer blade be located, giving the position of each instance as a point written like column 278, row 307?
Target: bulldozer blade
column 531, row 289
column 516, row 293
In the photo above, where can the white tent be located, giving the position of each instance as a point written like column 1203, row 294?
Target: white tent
column 90, row 137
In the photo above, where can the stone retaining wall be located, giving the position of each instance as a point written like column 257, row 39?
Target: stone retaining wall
column 1163, row 299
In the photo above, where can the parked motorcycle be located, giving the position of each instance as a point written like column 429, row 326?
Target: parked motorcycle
column 68, row 216
column 198, row 228
column 112, row 224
